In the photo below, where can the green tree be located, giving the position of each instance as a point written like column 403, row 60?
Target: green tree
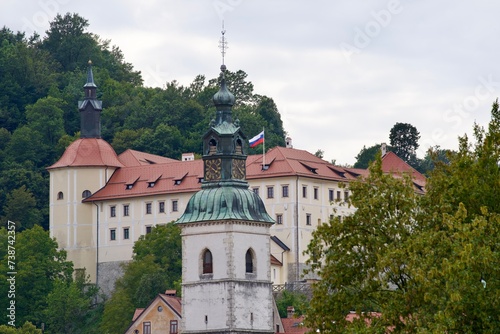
column 361, row 259
column 21, row 208
column 156, row 267
column 36, row 273
column 27, row 328
column 366, row 156
column 71, row 307
column 404, row 141
column 290, row 298
column 428, row 263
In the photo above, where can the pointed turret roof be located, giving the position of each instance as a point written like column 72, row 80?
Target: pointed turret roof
column 90, row 76
column 90, row 150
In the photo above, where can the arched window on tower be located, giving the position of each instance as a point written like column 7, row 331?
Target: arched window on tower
column 86, row 193
column 239, row 147
column 207, row 262
column 60, row 195
column 212, row 147
column 249, row 262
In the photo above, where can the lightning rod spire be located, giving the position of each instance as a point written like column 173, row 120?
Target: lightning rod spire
column 223, row 44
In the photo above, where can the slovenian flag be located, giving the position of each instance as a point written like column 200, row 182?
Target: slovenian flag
column 257, row 140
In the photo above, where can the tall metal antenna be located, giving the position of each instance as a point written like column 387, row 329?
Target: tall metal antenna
column 223, row 43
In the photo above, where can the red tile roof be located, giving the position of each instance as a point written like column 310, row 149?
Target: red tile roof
column 137, row 313
column 393, row 164
column 174, row 176
column 294, row 325
column 174, row 302
column 187, row 172
column 136, row 158
column 88, row 152
column 281, row 161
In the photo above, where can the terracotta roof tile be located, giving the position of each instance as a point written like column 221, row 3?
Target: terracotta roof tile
column 393, row 164
column 174, row 302
column 137, row 313
column 174, row 176
column 294, row 325
column 88, row 152
column 136, row 158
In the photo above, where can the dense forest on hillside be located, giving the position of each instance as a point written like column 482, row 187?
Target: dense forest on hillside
column 41, row 81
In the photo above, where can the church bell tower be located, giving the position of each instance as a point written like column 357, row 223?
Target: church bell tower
column 226, row 279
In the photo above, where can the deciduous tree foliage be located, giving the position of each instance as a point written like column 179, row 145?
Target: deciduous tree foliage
column 38, row 265
column 404, row 140
column 428, row 264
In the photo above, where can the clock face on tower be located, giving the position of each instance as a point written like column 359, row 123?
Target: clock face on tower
column 212, row 169
column 238, row 169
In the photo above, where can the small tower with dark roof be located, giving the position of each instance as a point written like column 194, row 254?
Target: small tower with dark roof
column 225, row 238
column 90, row 109
column 85, row 167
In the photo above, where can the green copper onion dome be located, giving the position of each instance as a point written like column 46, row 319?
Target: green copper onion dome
column 223, row 97
column 225, row 203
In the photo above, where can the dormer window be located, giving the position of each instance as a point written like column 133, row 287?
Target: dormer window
column 177, row 182
column 130, row 184
column 151, row 184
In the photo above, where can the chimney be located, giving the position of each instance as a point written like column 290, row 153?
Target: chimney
column 187, row 156
column 171, row 293
column 288, row 142
column 290, row 312
column 383, row 148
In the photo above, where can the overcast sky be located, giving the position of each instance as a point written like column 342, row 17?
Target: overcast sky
column 342, row 73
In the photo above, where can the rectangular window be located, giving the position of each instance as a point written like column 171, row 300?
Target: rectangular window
column 125, row 210
column 338, row 195
column 284, row 191
column 161, row 207
column 148, row 208
column 270, row 192
column 175, row 205
column 148, row 229
column 146, row 327
column 331, row 217
column 304, row 191
column 279, row 218
column 308, row 219
column 331, row 195
column 174, row 327
column 126, row 233
column 346, row 196
column 256, row 190
column 316, row 191
column 112, row 234
column 112, row 211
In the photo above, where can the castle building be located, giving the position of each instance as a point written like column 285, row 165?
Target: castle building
column 101, row 202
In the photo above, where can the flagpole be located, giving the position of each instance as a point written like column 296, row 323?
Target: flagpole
column 263, row 149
